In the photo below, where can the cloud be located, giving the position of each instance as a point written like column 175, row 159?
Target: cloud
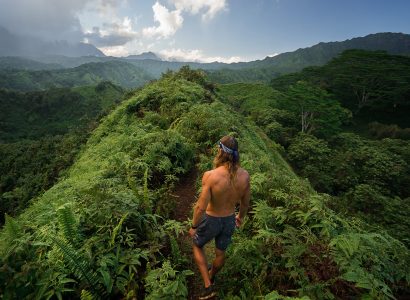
column 169, row 22
column 49, row 19
column 115, row 50
column 209, row 7
column 112, row 34
column 42, row 18
column 195, row 56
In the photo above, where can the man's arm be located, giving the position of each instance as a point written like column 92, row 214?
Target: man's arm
column 244, row 205
column 204, row 198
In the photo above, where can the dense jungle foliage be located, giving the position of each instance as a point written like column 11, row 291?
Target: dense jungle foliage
column 375, row 86
column 106, row 228
column 41, row 134
column 338, row 143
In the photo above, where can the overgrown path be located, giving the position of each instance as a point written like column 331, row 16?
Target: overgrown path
column 185, row 194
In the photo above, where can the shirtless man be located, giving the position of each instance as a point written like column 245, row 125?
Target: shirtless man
column 214, row 213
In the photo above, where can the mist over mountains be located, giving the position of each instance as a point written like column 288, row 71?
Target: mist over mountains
column 15, row 45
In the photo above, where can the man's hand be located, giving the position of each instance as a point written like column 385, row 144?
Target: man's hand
column 192, row 232
column 238, row 221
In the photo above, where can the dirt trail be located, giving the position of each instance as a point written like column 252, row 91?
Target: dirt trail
column 185, row 194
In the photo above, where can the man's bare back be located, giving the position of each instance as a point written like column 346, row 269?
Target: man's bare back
column 225, row 195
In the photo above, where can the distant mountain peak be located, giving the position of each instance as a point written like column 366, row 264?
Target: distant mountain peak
column 144, row 55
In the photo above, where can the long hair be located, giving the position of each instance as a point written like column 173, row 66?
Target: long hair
column 230, row 160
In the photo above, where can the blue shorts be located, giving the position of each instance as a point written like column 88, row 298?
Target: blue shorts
column 220, row 228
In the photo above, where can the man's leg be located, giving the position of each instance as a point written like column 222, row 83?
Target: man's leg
column 202, row 264
column 218, row 262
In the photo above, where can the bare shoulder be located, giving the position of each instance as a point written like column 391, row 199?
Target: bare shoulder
column 207, row 176
column 242, row 173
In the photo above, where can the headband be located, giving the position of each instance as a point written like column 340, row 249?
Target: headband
column 225, row 149
column 229, row 151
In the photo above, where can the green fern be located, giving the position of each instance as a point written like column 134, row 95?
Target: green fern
column 147, row 203
column 166, row 283
column 274, row 295
column 11, row 227
column 78, row 265
column 173, row 227
column 68, row 224
column 86, row 295
column 11, row 232
column 117, row 229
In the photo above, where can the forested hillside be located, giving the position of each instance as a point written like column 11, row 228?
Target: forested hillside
column 364, row 163
column 107, row 228
column 33, row 115
column 344, row 126
column 118, row 72
column 21, row 63
column 41, row 134
column 375, row 86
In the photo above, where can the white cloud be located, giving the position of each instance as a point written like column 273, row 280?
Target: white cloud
column 169, row 22
column 195, row 56
column 112, row 34
column 115, row 50
column 209, row 7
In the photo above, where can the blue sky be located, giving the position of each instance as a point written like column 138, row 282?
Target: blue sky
column 204, row 30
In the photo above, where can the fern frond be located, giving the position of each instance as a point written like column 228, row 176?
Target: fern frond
column 78, row 264
column 11, row 232
column 147, row 202
column 117, row 229
column 173, row 227
column 11, row 228
column 86, row 295
column 68, row 224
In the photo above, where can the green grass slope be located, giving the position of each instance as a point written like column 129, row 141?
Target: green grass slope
column 104, row 230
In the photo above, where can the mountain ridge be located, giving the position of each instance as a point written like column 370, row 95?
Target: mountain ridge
column 260, row 70
column 316, row 55
column 144, row 55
